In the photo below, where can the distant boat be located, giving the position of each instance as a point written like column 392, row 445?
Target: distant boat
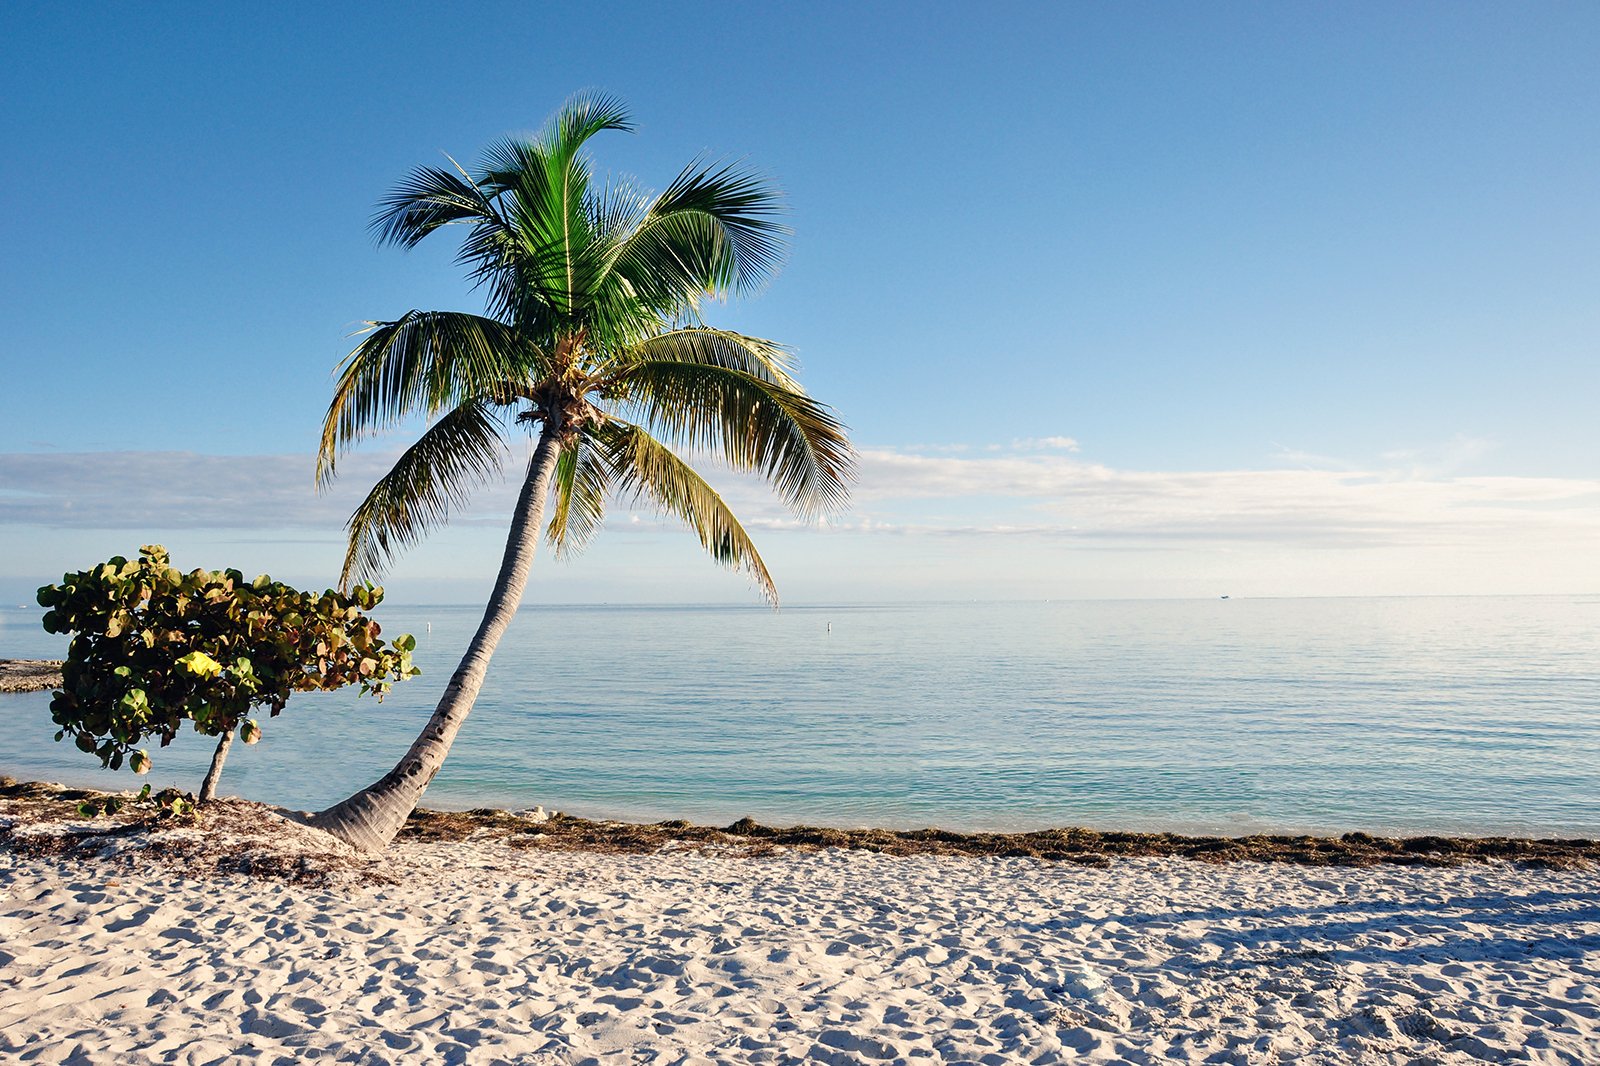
column 1224, row 597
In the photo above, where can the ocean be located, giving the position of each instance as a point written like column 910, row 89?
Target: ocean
column 1409, row 715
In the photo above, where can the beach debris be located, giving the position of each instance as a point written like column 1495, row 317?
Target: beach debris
column 1082, row 982
column 227, row 836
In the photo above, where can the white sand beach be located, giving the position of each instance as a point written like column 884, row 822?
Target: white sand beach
column 482, row 953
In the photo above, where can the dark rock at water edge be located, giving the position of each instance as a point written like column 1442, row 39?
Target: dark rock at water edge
column 29, row 675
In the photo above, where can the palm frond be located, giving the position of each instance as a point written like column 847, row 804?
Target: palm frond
column 543, row 187
column 534, row 188
column 617, row 210
column 713, row 229
column 461, row 451
column 614, row 315
column 583, row 116
column 792, row 440
column 583, row 480
column 419, row 364
column 646, row 468
column 431, row 197
column 580, row 118
column 708, row 346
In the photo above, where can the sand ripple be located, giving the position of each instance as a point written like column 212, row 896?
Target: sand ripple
column 486, row 954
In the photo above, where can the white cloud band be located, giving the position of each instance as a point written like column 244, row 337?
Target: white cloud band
column 898, row 491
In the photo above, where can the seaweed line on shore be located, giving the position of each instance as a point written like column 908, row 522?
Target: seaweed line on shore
column 1074, row 844
column 236, row 836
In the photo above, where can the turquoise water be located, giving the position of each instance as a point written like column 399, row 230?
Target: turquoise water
column 1388, row 715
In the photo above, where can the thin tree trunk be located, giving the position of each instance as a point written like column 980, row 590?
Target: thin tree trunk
column 208, row 787
column 370, row 819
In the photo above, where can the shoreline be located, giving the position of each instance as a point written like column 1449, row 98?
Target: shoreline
column 455, row 800
column 45, row 801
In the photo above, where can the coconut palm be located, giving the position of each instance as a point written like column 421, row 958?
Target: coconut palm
column 592, row 341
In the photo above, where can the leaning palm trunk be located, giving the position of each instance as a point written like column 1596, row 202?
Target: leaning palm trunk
column 371, row 818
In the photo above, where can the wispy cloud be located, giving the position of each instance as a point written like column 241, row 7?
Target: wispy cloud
column 1046, row 491
column 1020, row 444
column 178, row 490
column 1440, row 460
column 1045, row 444
column 1283, row 455
column 1386, row 504
column 939, row 449
column 1405, row 464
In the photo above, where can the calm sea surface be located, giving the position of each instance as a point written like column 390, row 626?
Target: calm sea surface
column 1390, row 715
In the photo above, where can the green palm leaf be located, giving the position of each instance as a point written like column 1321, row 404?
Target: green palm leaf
column 579, row 119
column 583, row 479
column 707, row 346
column 420, row 364
column 462, row 450
column 647, row 468
column 432, row 197
column 781, row 433
column 714, row 228
column 543, row 188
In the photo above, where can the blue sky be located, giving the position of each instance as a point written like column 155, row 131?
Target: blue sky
column 1139, row 299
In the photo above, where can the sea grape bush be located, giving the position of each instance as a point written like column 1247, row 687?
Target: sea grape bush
column 155, row 646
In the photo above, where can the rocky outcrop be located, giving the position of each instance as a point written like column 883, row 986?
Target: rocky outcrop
column 29, row 675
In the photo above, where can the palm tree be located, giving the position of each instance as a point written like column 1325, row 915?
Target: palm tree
column 593, row 340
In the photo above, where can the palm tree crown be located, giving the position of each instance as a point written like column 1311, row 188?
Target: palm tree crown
column 592, row 333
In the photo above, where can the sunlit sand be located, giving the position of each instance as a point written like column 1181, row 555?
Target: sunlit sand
column 478, row 952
